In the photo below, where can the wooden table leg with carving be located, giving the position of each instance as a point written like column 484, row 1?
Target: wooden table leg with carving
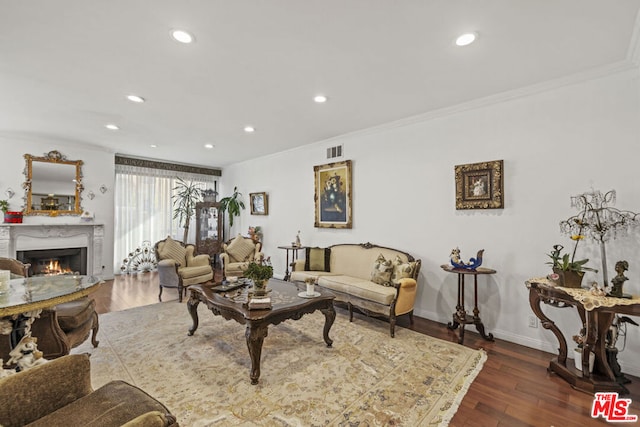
column 329, row 317
column 255, row 335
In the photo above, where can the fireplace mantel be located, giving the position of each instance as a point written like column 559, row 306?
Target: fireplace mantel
column 19, row 237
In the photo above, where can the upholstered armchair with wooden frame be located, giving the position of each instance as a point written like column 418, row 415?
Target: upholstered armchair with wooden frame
column 59, row 393
column 179, row 266
column 59, row 328
column 237, row 253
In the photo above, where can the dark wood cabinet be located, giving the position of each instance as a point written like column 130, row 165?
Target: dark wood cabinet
column 208, row 229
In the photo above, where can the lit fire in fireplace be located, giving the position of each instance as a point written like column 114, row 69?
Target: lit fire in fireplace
column 53, row 267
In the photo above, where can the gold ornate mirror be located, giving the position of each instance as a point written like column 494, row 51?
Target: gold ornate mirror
column 53, row 185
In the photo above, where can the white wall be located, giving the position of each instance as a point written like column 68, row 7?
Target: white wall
column 97, row 169
column 555, row 144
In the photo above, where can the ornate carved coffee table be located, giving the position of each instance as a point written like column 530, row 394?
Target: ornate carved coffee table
column 286, row 304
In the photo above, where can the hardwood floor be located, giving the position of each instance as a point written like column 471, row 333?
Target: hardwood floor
column 513, row 388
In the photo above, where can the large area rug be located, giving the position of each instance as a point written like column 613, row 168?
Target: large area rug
column 366, row 378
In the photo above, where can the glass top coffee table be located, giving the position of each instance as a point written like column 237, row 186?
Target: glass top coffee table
column 25, row 298
column 286, row 304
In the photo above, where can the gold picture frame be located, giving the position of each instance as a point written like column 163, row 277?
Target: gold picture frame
column 333, row 195
column 480, row 185
column 259, row 203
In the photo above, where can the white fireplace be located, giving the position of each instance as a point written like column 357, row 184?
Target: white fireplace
column 27, row 237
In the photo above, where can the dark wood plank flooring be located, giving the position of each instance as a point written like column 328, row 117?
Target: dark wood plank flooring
column 513, row 389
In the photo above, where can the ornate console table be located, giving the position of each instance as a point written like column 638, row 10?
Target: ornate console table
column 597, row 314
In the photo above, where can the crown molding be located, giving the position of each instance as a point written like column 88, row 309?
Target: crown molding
column 593, row 74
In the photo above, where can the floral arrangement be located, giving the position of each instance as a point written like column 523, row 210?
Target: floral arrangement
column 259, row 272
column 567, row 262
column 255, row 233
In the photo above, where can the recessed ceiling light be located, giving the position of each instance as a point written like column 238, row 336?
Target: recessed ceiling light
column 320, row 99
column 249, row 129
column 111, row 126
column 182, row 36
column 153, row 146
column 208, row 146
column 466, row 39
column 135, row 98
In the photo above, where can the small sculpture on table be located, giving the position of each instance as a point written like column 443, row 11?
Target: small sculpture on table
column 473, row 263
column 618, row 281
column 26, row 354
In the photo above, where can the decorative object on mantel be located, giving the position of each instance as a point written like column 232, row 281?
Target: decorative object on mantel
column 87, row 216
column 480, row 185
column 599, row 221
column 9, row 193
column 142, row 259
column 10, row 217
column 473, row 263
column 103, row 188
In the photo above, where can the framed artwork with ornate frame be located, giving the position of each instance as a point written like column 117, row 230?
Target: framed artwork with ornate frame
column 333, row 194
column 480, row 185
column 259, row 203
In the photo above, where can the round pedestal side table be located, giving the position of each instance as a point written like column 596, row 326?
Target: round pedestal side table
column 461, row 317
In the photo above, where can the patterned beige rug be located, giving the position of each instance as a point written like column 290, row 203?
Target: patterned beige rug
column 366, row 378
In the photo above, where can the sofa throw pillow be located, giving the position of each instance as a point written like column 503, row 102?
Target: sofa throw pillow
column 173, row 250
column 382, row 270
column 402, row 269
column 317, row 259
column 241, row 249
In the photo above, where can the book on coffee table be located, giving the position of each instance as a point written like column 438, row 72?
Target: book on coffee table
column 259, row 303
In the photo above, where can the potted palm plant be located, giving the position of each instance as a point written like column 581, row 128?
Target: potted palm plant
column 184, row 203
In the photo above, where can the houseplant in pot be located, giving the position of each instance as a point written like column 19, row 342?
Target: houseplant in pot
column 186, row 195
column 259, row 273
column 232, row 204
column 567, row 271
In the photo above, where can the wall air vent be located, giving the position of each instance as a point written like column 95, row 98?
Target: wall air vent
column 333, row 152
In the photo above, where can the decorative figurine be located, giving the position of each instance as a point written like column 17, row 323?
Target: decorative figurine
column 618, row 281
column 473, row 263
column 298, row 244
column 26, row 354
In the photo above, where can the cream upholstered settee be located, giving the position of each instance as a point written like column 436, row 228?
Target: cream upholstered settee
column 376, row 280
column 59, row 393
column 179, row 266
column 238, row 253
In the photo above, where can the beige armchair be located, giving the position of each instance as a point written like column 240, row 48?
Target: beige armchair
column 59, row 393
column 237, row 254
column 179, row 266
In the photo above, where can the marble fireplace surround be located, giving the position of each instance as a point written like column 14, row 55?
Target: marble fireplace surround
column 23, row 237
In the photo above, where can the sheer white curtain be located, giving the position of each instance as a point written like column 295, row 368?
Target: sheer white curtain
column 144, row 207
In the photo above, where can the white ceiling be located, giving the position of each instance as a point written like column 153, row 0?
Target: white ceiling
column 67, row 65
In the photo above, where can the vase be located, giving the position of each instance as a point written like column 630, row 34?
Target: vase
column 569, row 279
column 577, row 358
column 260, row 287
